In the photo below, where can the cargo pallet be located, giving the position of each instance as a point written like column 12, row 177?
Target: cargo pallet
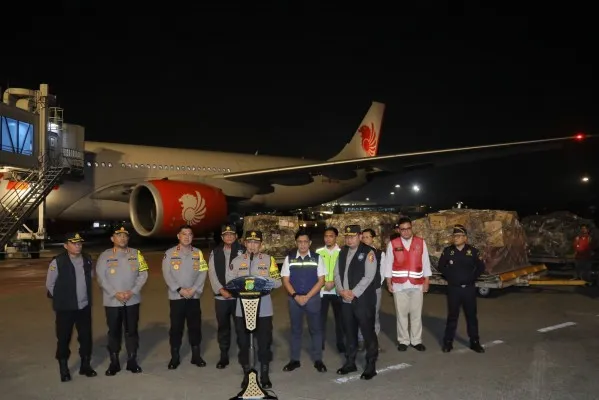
column 527, row 276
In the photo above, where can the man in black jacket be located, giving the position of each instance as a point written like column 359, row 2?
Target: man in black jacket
column 69, row 286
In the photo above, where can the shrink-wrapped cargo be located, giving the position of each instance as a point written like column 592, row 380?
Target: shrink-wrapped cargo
column 278, row 232
column 497, row 234
column 553, row 234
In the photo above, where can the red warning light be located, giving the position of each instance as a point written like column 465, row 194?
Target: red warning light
column 579, row 136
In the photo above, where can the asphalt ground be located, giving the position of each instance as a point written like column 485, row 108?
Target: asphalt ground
column 542, row 343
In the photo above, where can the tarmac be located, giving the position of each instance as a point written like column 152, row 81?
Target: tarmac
column 541, row 344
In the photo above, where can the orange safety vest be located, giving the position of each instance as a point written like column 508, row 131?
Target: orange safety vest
column 407, row 264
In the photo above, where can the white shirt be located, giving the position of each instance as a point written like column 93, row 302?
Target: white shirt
column 390, row 258
column 320, row 270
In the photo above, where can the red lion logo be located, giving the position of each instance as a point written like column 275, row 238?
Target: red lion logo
column 370, row 141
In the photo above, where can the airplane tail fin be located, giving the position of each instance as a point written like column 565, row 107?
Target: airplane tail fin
column 365, row 142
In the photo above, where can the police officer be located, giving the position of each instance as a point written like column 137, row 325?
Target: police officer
column 122, row 272
column 368, row 236
column 354, row 280
column 253, row 262
column 69, row 286
column 461, row 265
column 303, row 277
column 224, row 303
column 184, row 270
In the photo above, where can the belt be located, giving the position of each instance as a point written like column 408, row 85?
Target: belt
column 463, row 286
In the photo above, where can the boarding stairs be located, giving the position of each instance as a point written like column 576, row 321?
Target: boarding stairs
column 31, row 189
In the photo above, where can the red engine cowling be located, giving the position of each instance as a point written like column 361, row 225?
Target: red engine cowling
column 158, row 208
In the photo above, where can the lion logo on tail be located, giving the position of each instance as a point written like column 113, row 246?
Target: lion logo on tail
column 193, row 208
column 370, row 139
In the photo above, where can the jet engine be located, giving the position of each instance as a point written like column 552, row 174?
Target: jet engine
column 158, row 208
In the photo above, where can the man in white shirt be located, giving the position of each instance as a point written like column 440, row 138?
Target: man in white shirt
column 407, row 270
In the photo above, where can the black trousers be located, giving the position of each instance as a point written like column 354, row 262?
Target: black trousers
column 117, row 321
column 185, row 310
column 457, row 297
column 333, row 301
column 225, row 311
column 263, row 333
column 360, row 314
column 65, row 321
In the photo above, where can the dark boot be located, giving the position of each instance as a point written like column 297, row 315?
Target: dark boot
column 63, row 367
column 264, row 378
column 224, row 360
column 369, row 371
column 115, row 365
column 476, row 346
column 132, row 364
column 175, row 358
column 196, row 358
column 246, row 378
column 447, row 346
column 86, row 367
column 349, row 366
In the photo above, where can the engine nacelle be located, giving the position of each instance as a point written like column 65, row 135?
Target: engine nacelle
column 159, row 207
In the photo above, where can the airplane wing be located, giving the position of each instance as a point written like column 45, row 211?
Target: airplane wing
column 403, row 162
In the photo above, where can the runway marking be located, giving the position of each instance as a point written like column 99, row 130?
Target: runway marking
column 350, row 378
column 486, row 346
column 554, row 327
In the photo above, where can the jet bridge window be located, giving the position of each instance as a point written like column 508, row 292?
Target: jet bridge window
column 16, row 136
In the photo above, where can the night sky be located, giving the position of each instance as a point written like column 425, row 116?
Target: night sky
column 238, row 80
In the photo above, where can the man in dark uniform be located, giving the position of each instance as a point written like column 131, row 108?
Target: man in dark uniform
column 461, row 265
column 255, row 263
column 354, row 280
column 303, row 276
column 184, row 270
column 224, row 303
column 69, row 286
column 121, row 273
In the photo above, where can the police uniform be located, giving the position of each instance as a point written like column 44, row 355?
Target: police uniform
column 330, row 297
column 355, row 271
column 120, row 271
column 378, row 283
column 220, row 259
column 304, row 274
column 263, row 265
column 69, row 286
column 184, row 268
column 461, row 269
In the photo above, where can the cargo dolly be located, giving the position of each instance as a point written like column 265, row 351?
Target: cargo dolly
column 532, row 275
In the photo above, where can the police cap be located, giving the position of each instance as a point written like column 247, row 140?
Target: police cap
column 121, row 230
column 227, row 229
column 74, row 237
column 460, row 230
column 352, row 230
column 253, row 235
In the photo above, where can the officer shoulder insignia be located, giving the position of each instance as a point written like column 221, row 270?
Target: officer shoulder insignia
column 52, row 267
column 274, row 269
column 371, row 257
column 143, row 265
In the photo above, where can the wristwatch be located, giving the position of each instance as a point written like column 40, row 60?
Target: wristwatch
column 293, row 295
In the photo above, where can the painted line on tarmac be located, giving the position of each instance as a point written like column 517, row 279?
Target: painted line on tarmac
column 554, row 327
column 351, row 378
column 486, row 346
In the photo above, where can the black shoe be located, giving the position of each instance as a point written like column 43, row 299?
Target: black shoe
column 264, row 378
column 223, row 362
column 86, row 368
column 447, row 347
column 175, row 358
column 475, row 345
column 320, row 367
column 196, row 359
column 132, row 364
column 246, row 378
column 115, row 365
column 402, row 347
column 419, row 347
column 347, row 368
column 369, row 371
column 291, row 366
column 63, row 367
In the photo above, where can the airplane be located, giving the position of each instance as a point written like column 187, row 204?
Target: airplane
column 158, row 189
